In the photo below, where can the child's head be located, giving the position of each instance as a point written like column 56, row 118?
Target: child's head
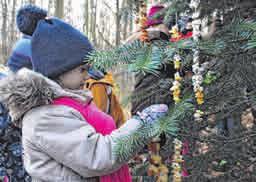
column 59, row 52
column 75, row 78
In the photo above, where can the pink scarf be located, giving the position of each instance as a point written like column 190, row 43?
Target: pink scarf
column 103, row 124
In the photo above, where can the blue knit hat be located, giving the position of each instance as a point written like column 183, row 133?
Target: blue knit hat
column 57, row 47
column 21, row 54
column 27, row 18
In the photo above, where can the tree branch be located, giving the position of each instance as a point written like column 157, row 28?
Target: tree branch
column 109, row 7
column 103, row 38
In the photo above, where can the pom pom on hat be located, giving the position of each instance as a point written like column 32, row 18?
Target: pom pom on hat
column 27, row 18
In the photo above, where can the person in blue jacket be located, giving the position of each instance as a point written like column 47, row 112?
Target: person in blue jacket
column 11, row 164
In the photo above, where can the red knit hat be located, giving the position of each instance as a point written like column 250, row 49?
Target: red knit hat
column 152, row 12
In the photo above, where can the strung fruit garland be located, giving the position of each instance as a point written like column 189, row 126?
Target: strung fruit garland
column 177, row 161
column 180, row 148
column 198, row 115
column 156, row 167
column 197, row 79
column 142, row 21
column 175, row 34
column 176, row 92
column 176, row 87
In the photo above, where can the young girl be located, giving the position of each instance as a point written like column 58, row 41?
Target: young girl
column 65, row 137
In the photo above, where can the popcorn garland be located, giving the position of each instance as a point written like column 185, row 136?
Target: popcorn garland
column 197, row 79
column 198, row 115
column 175, row 89
column 177, row 160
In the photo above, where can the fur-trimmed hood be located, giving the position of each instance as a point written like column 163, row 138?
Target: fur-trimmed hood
column 27, row 89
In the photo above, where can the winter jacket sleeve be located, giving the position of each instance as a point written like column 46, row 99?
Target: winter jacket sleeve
column 69, row 140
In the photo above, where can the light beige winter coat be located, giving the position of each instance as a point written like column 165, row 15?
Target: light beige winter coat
column 59, row 145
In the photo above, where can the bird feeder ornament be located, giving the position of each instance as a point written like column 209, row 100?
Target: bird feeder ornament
column 156, row 167
column 177, row 161
column 176, row 86
column 143, row 22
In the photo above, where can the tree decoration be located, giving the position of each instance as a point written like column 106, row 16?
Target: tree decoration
column 197, row 80
column 156, row 167
column 198, row 115
column 175, row 89
column 143, row 22
column 175, row 34
column 177, row 161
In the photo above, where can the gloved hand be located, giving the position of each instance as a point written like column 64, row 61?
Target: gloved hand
column 153, row 113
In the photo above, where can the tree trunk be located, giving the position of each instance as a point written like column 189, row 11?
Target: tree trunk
column 12, row 32
column 41, row 3
column 59, row 8
column 68, row 12
column 86, row 18
column 32, row 2
column 50, row 7
column 118, row 26
column 131, row 18
column 4, row 30
column 125, row 20
column 93, row 20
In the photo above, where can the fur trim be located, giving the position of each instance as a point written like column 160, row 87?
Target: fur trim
column 26, row 90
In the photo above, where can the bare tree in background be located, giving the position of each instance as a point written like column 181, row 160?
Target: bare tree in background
column 59, row 8
column 51, row 7
column 41, row 3
column 13, row 24
column 93, row 19
column 130, row 6
column 4, row 30
column 69, row 12
column 118, row 26
column 86, row 18
column 124, row 19
column 32, row 2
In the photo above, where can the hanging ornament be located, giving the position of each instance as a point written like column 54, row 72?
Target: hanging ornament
column 197, row 80
column 198, row 115
column 178, row 163
column 176, row 86
column 175, row 34
column 142, row 21
column 156, row 167
column 177, row 160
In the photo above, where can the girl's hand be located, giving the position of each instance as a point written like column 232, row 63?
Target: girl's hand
column 153, row 113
